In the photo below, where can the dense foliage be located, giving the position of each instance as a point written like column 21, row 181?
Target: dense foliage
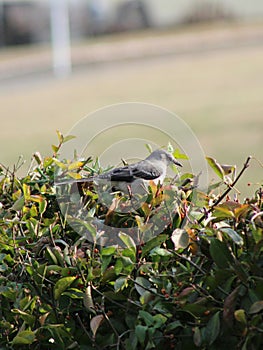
column 198, row 284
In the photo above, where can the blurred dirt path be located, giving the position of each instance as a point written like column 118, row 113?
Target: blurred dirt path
column 21, row 61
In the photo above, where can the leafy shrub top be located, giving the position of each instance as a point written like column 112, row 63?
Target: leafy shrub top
column 198, row 284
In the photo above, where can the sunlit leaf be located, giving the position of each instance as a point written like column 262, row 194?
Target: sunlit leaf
column 29, row 319
column 216, row 167
column 42, row 206
column 26, row 191
column 178, row 155
column 180, row 239
column 237, row 239
column 60, row 164
column 256, row 307
column 149, row 147
column 24, row 338
column 62, row 285
column 75, row 176
column 108, row 250
column 153, row 243
column 120, row 284
column 87, row 300
column 75, row 165
column 127, row 240
column 68, row 138
column 240, row 316
column 60, row 136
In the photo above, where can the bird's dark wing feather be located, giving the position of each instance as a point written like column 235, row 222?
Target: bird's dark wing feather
column 146, row 174
column 134, row 171
column 121, row 174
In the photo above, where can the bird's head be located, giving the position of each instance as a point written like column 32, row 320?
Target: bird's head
column 162, row 155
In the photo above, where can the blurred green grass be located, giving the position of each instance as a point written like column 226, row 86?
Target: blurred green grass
column 217, row 93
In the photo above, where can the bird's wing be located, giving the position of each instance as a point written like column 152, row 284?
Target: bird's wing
column 129, row 173
column 146, row 174
column 146, row 171
column 120, row 174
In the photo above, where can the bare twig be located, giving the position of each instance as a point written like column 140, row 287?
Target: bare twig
column 230, row 187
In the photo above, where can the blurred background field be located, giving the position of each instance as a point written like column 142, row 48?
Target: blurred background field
column 206, row 66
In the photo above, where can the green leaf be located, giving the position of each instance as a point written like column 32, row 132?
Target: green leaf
column 68, row 138
column 240, row 316
column 220, row 254
column 159, row 320
column 26, row 191
column 55, row 148
column 127, row 240
column 149, row 147
column 142, row 284
column 108, row 251
column 146, row 317
column 88, row 301
column 62, row 285
column 75, row 176
column 60, row 164
column 120, row 284
column 197, row 336
column 29, row 319
column 42, row 206
column 237, row 239
column 212, row 329
column 216, row 167
column 256, row 307
column 172, row 326
column 19, row 203
column 178, row 155
column 153, row 243
column 24, row 338
column 140, row 332
column 75, row 165
column 60, row 136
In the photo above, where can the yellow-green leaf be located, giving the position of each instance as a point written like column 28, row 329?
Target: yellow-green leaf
column 75, row 165
column 24, row 338
column 26, row 191
column 62, row 285
column 68, row 138
column 75, row 176
column 216, row 167
column 42, row 206
column 60, row 136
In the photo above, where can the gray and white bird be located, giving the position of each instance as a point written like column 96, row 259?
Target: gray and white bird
column 134, row 178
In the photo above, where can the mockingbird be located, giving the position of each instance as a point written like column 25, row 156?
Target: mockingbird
column 134, row 178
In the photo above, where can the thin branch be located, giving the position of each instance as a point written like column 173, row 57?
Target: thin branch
column 87, row 333
column 230, row 187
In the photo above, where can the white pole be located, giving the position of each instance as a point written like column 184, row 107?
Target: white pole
column 60, row 37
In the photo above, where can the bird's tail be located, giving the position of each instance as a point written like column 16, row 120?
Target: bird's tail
column 71, row 181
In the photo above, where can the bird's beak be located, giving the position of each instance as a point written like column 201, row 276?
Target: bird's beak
column 176, row 162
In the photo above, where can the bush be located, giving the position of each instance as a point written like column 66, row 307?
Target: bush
column 198, row 284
